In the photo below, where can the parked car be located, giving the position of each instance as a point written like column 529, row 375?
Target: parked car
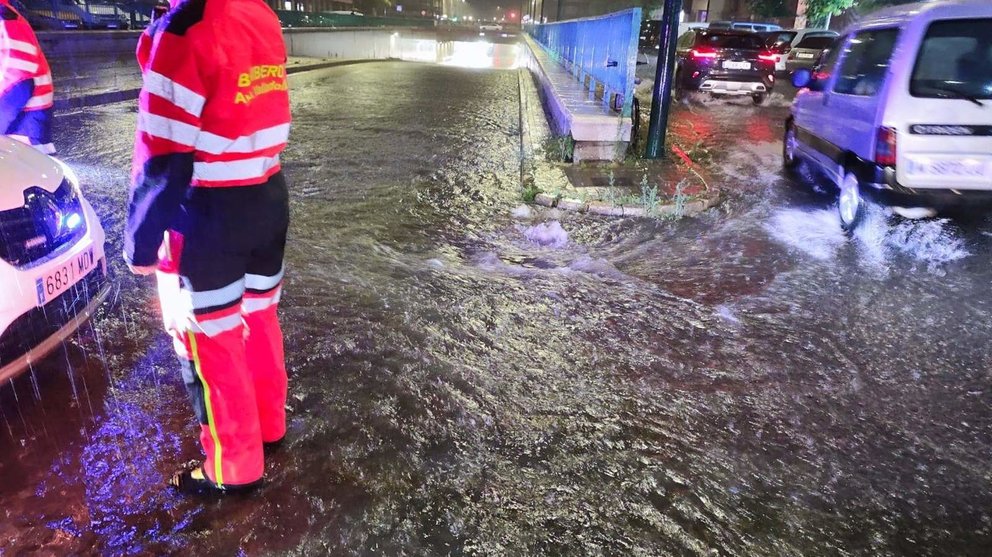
column 805, row 54
column 76, row 14
column 53, row 272
column 752, row 26
column 42, row 18
column 782, row 42
column 901, row 110
column 724, row 62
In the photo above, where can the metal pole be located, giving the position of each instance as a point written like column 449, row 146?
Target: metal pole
column 662, row 94
column 560, row 3
column 542, row 12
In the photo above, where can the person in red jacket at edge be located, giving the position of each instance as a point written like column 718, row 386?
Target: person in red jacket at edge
column 26, row 91
column 208, row 212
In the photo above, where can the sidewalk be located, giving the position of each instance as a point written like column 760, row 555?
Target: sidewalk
column 672, row 188
column 116, row 81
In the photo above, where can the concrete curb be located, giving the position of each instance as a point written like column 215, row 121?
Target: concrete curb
column 109, row 97
column 691, row 208
column 527, row 180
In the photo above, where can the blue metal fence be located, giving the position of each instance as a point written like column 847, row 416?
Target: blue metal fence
column 602, row 49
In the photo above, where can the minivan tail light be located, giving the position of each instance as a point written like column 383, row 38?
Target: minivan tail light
column 886, row 150
column 703, row 53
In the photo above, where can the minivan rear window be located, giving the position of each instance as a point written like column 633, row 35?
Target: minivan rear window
column 743, row 42
column 955, row 61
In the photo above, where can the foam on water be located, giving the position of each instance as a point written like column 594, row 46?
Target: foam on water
column 547, row 234
column 521, row 212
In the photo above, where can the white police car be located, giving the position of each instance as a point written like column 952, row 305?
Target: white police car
column 53, row 271
column 901, row 109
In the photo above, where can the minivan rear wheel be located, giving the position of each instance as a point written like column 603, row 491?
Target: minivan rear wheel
column 850, row 206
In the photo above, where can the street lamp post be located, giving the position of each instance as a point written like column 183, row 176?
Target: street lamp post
column 662, row 94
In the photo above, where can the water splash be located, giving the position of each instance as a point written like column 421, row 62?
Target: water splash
column 879, row 238
column 815, row 233
column 521, row 212
column 547, row 235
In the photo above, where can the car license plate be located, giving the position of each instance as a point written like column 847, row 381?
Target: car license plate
column 805, row 56
column 61, row 278
column 737, row 65
column 950, row 168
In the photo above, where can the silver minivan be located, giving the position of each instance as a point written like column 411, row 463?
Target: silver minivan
column 901, row 110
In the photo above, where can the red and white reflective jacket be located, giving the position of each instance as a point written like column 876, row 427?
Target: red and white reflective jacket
column 26, row 91
column 213, row 111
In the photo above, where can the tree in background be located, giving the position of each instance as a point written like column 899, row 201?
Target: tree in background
column 820, row 11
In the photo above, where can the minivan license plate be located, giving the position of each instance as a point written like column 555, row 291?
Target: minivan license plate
column 56, row 281
column 949, row 168
column 737, row 65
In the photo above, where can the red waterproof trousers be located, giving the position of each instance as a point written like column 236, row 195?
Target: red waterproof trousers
column 220, row 281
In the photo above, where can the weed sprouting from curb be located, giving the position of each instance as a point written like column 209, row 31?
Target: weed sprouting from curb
column 559, row 148
column 529, row 192
column 612, row 195
column 649, row 197
column 680, row 200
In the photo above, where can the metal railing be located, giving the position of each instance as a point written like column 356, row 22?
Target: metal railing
column 320, row 19
column 598, row 51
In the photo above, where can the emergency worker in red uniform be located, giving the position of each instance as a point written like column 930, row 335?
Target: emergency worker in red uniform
column 26, row 92
column 209, row 212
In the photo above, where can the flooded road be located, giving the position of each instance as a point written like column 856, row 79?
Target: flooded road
column 748, row 382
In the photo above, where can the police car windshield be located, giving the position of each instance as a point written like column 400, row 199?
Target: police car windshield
column 955, row 61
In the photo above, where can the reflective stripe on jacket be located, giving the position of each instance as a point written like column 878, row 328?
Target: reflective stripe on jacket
column 25, row 79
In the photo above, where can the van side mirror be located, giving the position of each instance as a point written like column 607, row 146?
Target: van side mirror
column 802, row 78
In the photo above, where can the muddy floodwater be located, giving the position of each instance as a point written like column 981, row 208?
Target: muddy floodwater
column 467, row 378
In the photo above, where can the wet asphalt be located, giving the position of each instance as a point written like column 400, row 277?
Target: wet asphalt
column 747, row 382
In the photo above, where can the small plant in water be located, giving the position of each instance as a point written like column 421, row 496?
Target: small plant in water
column 529, row 193
column 680, row 199
column 649, row 197
column 559, row 148
column 612, row 195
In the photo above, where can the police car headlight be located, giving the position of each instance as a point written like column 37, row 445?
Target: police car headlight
column 70, row 176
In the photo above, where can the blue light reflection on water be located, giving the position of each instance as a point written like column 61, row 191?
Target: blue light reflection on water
column 116, row 488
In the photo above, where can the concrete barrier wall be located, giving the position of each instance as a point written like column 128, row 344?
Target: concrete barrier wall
column 89, row 62
column 100, row 63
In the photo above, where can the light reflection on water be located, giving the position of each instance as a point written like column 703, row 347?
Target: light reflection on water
column 481, row 54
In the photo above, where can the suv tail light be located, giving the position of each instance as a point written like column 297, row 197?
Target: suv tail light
column 886, row 148
column 768, row 57
column 703, row 52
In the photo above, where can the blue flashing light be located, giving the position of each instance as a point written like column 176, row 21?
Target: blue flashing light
column 73, row 220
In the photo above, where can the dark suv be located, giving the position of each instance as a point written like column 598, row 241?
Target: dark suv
column 724, row 62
